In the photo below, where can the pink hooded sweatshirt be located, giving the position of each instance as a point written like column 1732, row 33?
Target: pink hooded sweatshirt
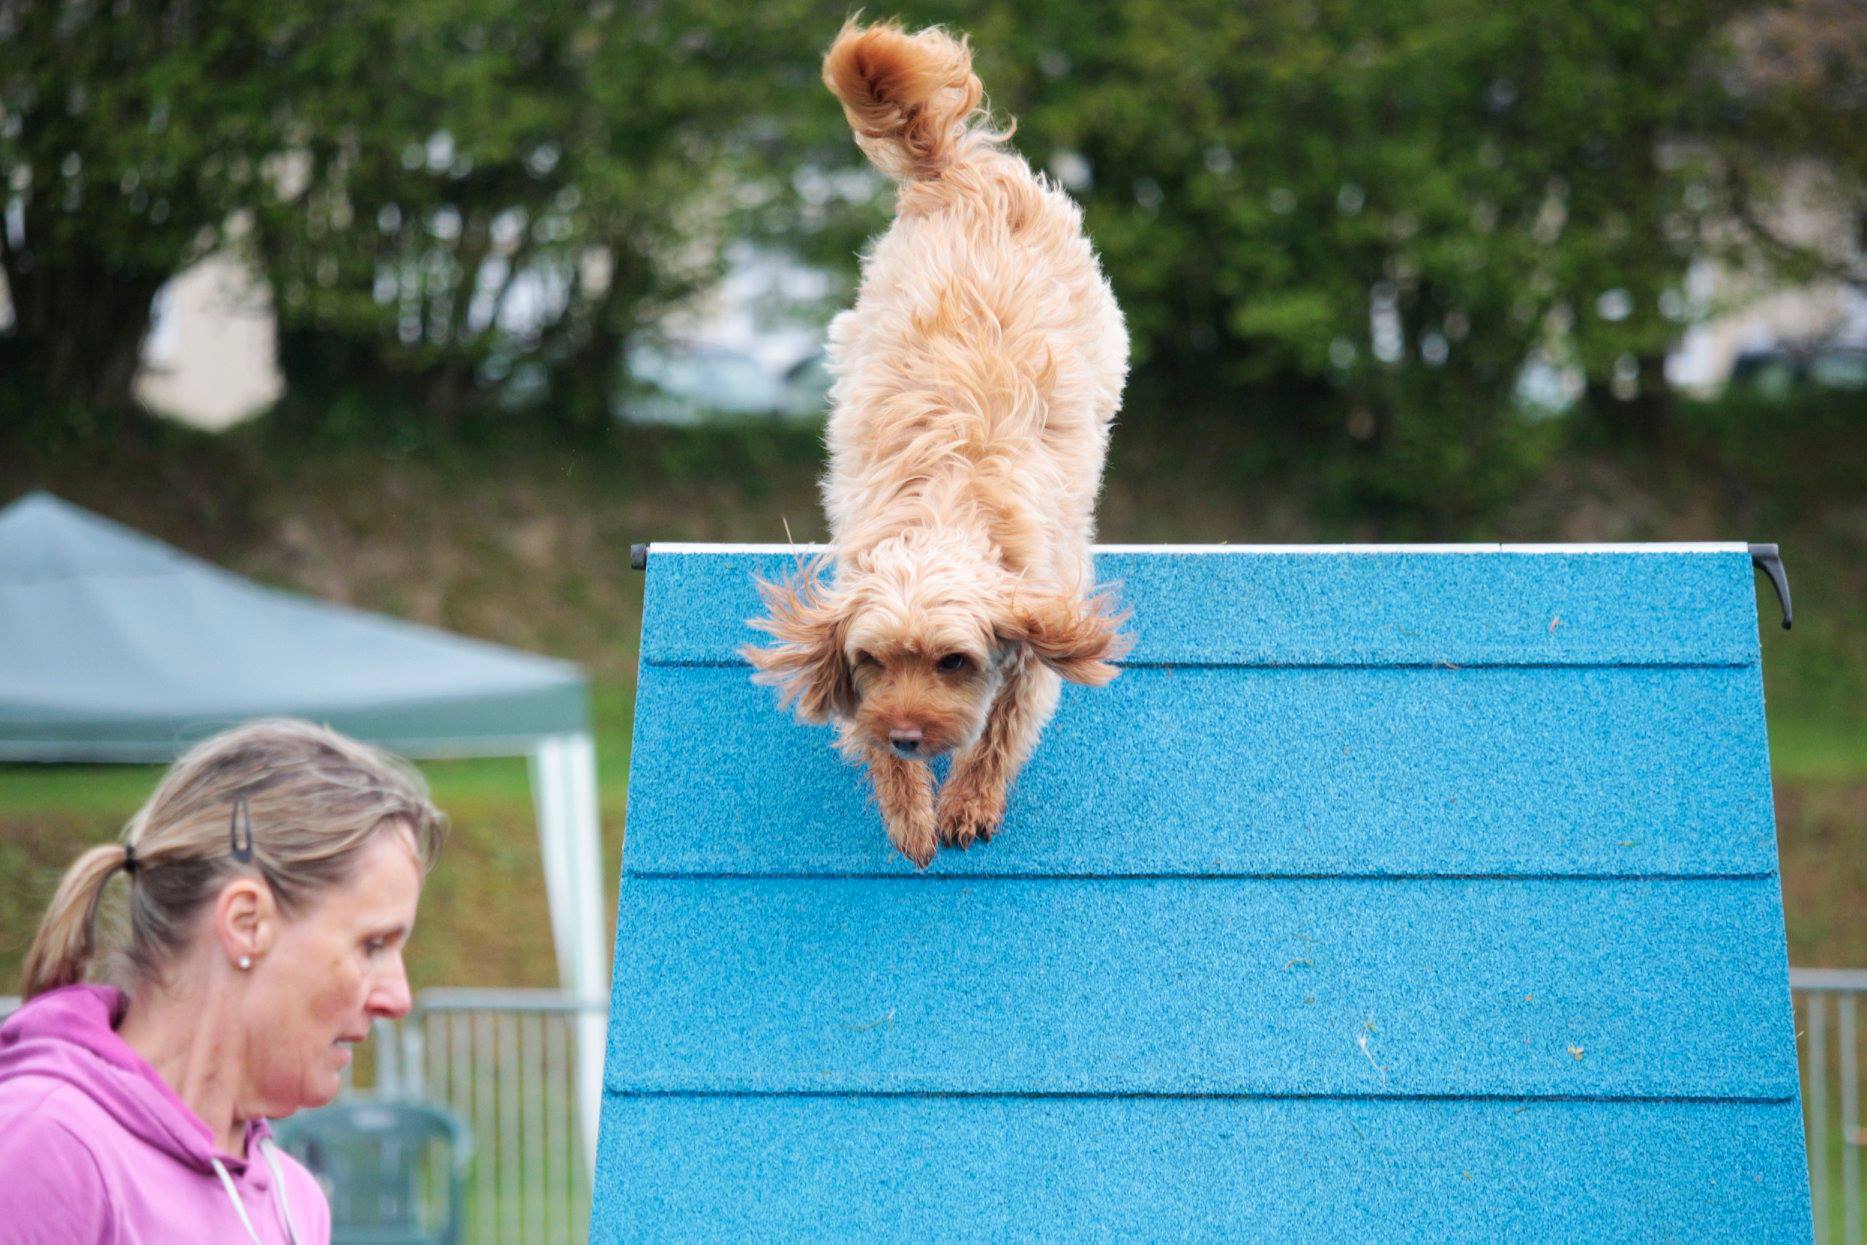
column 95, row 1147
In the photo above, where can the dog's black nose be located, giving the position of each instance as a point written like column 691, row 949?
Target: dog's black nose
column 905, row 740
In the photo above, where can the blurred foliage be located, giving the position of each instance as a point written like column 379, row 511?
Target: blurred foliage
column 132, row 142
column 1386, row 212
column 1353, row 228
column 489, row 199
column 1800, row 70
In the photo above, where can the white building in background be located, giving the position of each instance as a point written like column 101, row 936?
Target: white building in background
column 1825, row 312
column 1746, row 312
column 211, row 358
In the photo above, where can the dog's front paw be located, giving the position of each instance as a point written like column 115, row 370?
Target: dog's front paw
column 915, row 837
column 970, row 813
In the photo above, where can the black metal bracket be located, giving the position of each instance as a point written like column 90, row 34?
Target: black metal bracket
column 1766, row 559
column 638, row 557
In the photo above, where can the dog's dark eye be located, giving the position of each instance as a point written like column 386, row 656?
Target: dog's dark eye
column 952, row 663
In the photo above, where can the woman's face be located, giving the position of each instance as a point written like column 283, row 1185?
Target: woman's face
column 332, row 969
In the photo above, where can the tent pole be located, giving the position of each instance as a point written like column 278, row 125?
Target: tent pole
column 591, row 931
column 550, row 796
column 570, row 842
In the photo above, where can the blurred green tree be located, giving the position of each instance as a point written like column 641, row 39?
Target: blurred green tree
column 1377, row 216
column 1793, row 162
column 1351, row 228
column 461, row 206
column 133, row 139
column 494, row 198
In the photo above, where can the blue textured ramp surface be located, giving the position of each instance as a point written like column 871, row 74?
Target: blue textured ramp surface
column 1596, row 771
column 1427, row 894
column 1141, row 1169
column 1236, row 986
column 1332, row 609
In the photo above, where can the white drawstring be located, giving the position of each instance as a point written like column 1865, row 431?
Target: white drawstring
column 271, row 1153
column 233, row 1195
column 278, row 1177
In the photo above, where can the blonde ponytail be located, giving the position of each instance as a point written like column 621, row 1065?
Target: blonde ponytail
column 308, row 801
column 66, row 942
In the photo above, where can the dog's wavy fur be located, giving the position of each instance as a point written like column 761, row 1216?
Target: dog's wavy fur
column 976, row 379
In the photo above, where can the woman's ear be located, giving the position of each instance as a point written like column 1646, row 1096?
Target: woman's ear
column 246, row 918
column 1077, row 637
column 808, row 665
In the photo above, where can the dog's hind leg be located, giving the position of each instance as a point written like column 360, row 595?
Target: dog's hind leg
column 972, row 801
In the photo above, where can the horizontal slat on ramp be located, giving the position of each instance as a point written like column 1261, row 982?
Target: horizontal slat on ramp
column 1338, row 609
column 1628, row 771
column 856, row 1169
column 1259, row 987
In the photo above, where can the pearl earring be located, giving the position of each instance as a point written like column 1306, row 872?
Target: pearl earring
column 246, row 962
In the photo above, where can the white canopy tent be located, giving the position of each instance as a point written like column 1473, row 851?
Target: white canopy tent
column 115, row 647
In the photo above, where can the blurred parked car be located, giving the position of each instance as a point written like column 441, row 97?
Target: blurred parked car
column 691, row 383
column 1779, row 371
column 807, row 387
column 695, row 382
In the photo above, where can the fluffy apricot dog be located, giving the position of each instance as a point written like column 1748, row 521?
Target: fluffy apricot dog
column 976, row 379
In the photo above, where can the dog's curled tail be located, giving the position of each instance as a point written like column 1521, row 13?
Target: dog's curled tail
column 909, row 97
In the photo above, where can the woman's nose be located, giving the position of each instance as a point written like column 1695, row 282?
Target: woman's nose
column 390, row 997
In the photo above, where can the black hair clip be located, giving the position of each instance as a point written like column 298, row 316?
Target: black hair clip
column 242, row 820
column 129, row 859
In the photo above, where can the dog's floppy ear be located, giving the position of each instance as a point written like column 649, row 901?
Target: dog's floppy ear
column 807, row 665
column 1077, row 637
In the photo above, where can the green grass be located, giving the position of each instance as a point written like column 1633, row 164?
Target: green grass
column 102, row 793
column 1804, row 751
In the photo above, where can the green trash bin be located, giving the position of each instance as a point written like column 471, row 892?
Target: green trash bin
column 395, row 1170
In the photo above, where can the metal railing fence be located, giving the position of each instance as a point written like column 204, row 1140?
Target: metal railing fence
column 505, row 1062
column 1829, row 1041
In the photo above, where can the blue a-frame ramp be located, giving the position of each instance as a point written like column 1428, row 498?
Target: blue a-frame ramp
column 1388, row 893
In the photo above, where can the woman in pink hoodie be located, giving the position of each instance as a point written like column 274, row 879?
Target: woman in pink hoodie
column 273, row 879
